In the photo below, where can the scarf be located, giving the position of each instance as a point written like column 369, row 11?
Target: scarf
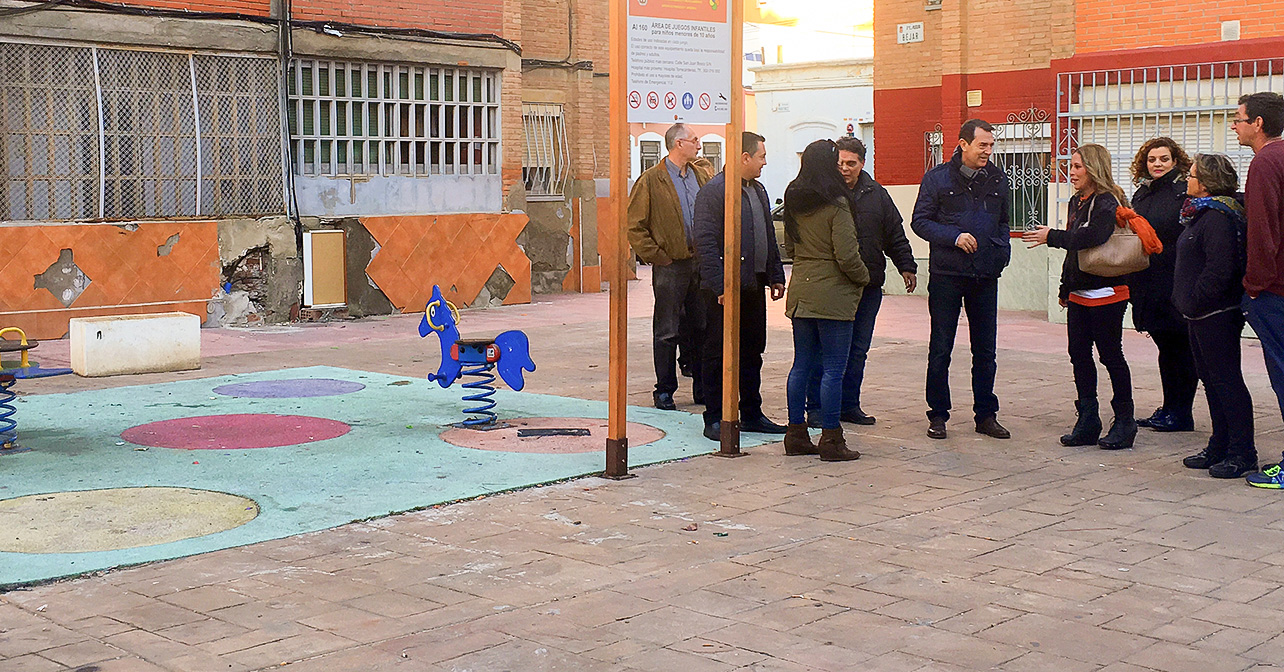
column 1227, row 205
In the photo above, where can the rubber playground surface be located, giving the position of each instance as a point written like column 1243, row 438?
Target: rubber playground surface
column 137, row 474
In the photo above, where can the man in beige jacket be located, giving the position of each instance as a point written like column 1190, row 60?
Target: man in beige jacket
column 661, row 216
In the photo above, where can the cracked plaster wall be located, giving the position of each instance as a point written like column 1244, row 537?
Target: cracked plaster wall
column 282, row 270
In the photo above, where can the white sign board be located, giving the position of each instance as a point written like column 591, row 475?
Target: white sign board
column 909, row 32
column 679, row 61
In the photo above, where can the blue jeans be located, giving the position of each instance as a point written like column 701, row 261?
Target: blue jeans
column 862, row 337
column 1266, row 316
column 819, row 344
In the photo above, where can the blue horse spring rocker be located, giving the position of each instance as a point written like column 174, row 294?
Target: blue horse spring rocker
column 475, row 358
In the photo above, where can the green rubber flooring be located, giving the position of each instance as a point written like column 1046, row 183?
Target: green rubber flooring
column 391, row 461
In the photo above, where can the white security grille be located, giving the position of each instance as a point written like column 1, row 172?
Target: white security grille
column 49, row 144
column 1192, row 104
column 351, row 118
column 650, row 153
column 240, row 127
column 103, row 133
column 545, row 166
column 713, row 152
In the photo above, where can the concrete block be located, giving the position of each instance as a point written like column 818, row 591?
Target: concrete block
column 114, row 345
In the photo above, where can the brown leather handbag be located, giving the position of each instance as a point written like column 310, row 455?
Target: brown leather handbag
column 1123, row 253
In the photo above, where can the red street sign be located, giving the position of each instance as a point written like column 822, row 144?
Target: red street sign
column 704, row 101
column 635, row 99
column 670, row 100
column 652, row 100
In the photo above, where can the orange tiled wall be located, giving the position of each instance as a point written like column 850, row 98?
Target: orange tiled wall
column 123, row 267
column 1107, row 25
column 456, row 252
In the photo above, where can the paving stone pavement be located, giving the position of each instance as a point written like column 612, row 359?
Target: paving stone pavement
column 963, row 554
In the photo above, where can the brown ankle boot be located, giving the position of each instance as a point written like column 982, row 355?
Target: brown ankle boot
column 798, row 441
column 833, row 448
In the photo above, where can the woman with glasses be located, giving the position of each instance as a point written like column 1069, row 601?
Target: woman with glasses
column 824, row 292
column 1211, row 257
column 1094, row 304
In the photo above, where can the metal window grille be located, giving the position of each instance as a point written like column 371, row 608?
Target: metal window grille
column 96, row 133
column 240, row 124
column 1193, row 104
column 933, row 148
column 1023, row 150
column 649, row 150
column 713, row 152
column 355, row 118
column 545, row 166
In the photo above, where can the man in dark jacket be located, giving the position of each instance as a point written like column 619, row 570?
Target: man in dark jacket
column 962, row 210
column 760, row 268
column 881, row 232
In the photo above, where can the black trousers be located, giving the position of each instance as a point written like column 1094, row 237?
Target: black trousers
column 678, row 311
column 979, row 297
column 753, row 342
column 1215, row 342
column 1177, row 371
column 1100, row 326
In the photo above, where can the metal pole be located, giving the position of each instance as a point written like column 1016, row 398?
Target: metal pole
column 617, row 442
column 730, row 433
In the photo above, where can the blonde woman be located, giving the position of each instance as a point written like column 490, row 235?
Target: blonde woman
column 1095, row 305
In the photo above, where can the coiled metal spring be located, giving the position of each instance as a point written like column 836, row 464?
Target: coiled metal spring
column 8, row 426
column 482, row 393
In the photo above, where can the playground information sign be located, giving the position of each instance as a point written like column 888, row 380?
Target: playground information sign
column 679, row 61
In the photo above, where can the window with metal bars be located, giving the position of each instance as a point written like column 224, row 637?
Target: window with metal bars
column 650, row 153
column 546, row 163
column 1194, row 104
column 713, row 152
column 98, row 133
column 355, row 118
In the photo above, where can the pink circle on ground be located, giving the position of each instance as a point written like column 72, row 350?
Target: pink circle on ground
column 506, row 440
column 234, row 432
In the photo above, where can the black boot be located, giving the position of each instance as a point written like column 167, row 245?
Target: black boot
column 1122, row 430
column 1087, row 429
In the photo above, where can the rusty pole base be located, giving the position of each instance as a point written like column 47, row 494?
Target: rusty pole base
column 617, row 460
column 729, row 436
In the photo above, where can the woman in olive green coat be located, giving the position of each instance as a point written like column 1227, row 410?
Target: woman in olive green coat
column 824, row 291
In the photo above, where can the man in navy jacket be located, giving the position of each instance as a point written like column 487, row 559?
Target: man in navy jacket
column 760, row 268
column 962, row 210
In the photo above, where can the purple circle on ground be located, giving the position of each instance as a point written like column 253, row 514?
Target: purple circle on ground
column 291, row 388
column 234, row 432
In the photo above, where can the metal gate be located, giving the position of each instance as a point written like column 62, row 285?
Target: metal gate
column 1193, row 104
column 1023, row 150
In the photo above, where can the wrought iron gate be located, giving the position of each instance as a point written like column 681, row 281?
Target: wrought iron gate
column 1192, row 104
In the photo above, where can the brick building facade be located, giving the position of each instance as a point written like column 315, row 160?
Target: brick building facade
column 175, row 155
column 1055, row 74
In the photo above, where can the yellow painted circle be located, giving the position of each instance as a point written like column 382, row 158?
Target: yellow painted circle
column 108, row 520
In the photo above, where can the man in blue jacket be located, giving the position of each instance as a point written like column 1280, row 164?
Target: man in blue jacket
column 760, row 268
column 962, row 210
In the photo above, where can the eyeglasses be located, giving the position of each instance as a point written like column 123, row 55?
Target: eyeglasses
column 1241, row 121
column 694, row 141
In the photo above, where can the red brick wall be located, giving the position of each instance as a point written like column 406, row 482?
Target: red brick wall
column 251, row 7
column 901, row 117
column 1109, row 25
column 465, row 16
